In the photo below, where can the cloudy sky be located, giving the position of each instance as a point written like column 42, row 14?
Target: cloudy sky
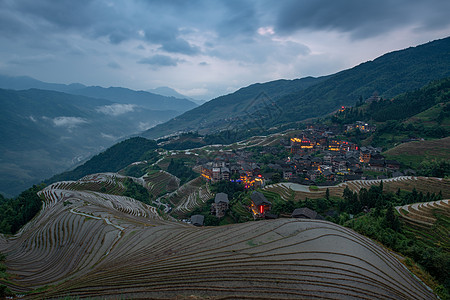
column 207, row 48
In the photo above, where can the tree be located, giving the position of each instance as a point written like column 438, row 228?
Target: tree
column 327, row 194
column 276, row 178
column 391, row 219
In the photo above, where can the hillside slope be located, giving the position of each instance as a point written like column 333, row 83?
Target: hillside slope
column 389, row 75
column 119, row 247
column 413, row 153
column 219, row 113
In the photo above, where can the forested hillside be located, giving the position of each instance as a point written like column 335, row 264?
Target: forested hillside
column 112, row 160
column 228, row 111
column 389, row 75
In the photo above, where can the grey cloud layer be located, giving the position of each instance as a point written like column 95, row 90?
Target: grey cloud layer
column 130, row 41
column 161, row 21
column 361, row 18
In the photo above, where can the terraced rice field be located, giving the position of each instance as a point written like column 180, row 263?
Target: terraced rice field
column 86, row 244
column 111, row 183
column 191, row 195
column 428, row 221
column 422, row 184
column 161, row 182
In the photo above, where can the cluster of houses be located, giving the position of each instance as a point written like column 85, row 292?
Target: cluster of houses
column 361, row 126
column 246, row 172
column 314, row 157
column 260, row 207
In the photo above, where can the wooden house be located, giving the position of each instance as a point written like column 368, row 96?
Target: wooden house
column 259, row 204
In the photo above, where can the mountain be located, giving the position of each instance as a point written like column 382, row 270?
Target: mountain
column 388, row 76
column 141, row 98
column 45, row 132
column 115, row 94
column 26, row 82
column 120, row 247
column 226, row 110
column 169, row 92
column 277, row 102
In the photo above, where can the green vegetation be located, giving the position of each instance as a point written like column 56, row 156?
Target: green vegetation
column 111, row 160
column 389, row 75
column 136, row 191
column 384, row 226
column 403, row 117
column 435, row 168
column 411, row 103
column 14, row 213
column 4, row 290
column 412, row 154
column 138, row 170
column 178, row 168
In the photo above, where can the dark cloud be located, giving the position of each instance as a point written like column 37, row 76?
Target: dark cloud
column 62, row 13
column 361, row 19
column 238, row 18
column 180, row 46
column 160, row 61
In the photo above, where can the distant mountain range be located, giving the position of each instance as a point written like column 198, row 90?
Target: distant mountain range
column 169, row 92
column 154, row 101
column 47, row 128
column 282, row 101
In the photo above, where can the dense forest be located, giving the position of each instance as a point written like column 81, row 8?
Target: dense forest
column 111, row 160
column 14, row 213
column 4, row 290
column 136, row 191
column 178, row 168
column 401, row 107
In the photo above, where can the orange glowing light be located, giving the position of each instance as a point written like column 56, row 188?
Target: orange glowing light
column 261, row 208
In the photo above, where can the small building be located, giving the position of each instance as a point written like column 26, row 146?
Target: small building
column 220, row 205
column 260, row 204
column 392, row 164
column 306, row 213
column 376, row 165
column 197, row 220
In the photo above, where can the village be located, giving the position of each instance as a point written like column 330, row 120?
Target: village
column 315, row 156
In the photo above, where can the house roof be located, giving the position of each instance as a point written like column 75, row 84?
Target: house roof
column 221, row 197
column 197, row 220
column 376, row 162
column 259, row 199
column 304, row 212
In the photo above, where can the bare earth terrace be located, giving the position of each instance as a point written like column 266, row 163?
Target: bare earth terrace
column 89, row 244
